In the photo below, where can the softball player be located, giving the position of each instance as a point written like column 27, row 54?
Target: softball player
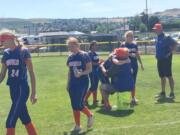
column 93, row 75
column 135, row 58
column 80, row 66
column 16, row 59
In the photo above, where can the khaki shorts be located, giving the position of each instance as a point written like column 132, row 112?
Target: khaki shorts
column 108, row 88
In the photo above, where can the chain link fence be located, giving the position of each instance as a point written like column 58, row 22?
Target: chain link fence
column 145, row 47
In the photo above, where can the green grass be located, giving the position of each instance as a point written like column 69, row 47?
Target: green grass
column 53, row 115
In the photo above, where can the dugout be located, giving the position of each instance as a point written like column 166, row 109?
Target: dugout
column 110, row 38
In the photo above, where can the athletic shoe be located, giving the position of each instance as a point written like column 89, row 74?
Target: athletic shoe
column 171, row 95
column 90, row 121
column 161, row 95
column 76, row 129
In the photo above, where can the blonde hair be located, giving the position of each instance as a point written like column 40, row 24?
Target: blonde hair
column 72, row 40
column 7, row 32
column 128, row 33
column 12, row 33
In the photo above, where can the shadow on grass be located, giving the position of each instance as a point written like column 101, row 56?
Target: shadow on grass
column 78, row 133
column 116, row 113
column 166, row 100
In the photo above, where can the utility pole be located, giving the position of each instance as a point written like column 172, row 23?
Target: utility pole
column 146, row 7
column 147, row 23
column 124, row 23
column 107, row 25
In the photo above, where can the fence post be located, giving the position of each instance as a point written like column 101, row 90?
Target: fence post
column 111, row 49
column 38, row 51
column 146, row 48
column 85, row 47
column 60, row 51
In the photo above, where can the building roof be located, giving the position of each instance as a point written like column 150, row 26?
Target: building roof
column 61, row 33
column 76, row 33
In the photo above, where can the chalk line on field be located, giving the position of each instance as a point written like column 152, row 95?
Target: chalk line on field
column 138, row 126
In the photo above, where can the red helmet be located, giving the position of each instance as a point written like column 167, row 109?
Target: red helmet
column 122, row 53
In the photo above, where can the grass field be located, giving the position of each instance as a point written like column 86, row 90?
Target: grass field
column 53, row 115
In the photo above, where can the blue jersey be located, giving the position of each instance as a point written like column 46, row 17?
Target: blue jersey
column 163, row 46
column 123, row 81
column 107, row 63
column 133, row 50
column 78, row 61
column 15, row 62
column 105, row 79
column 94, row 58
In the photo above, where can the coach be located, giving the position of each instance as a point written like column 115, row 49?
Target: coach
column 164, row 51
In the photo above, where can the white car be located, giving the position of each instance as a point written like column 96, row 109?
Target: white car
column 176, row 36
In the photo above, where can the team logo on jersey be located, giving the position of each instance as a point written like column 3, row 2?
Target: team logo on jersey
column 133, row 55
column 75, row 63
column 12, row 62
column 132, row 50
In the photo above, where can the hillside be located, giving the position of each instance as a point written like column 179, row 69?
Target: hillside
column 169, row 12
column 36, row 25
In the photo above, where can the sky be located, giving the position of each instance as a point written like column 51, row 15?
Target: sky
column 80, row 8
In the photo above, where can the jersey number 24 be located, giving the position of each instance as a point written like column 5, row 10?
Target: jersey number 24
column 15, row 73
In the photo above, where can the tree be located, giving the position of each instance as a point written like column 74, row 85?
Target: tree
column 101, row 28
column 144, row 18
column 153, row 20
column 142, row 27
column 134, row 23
